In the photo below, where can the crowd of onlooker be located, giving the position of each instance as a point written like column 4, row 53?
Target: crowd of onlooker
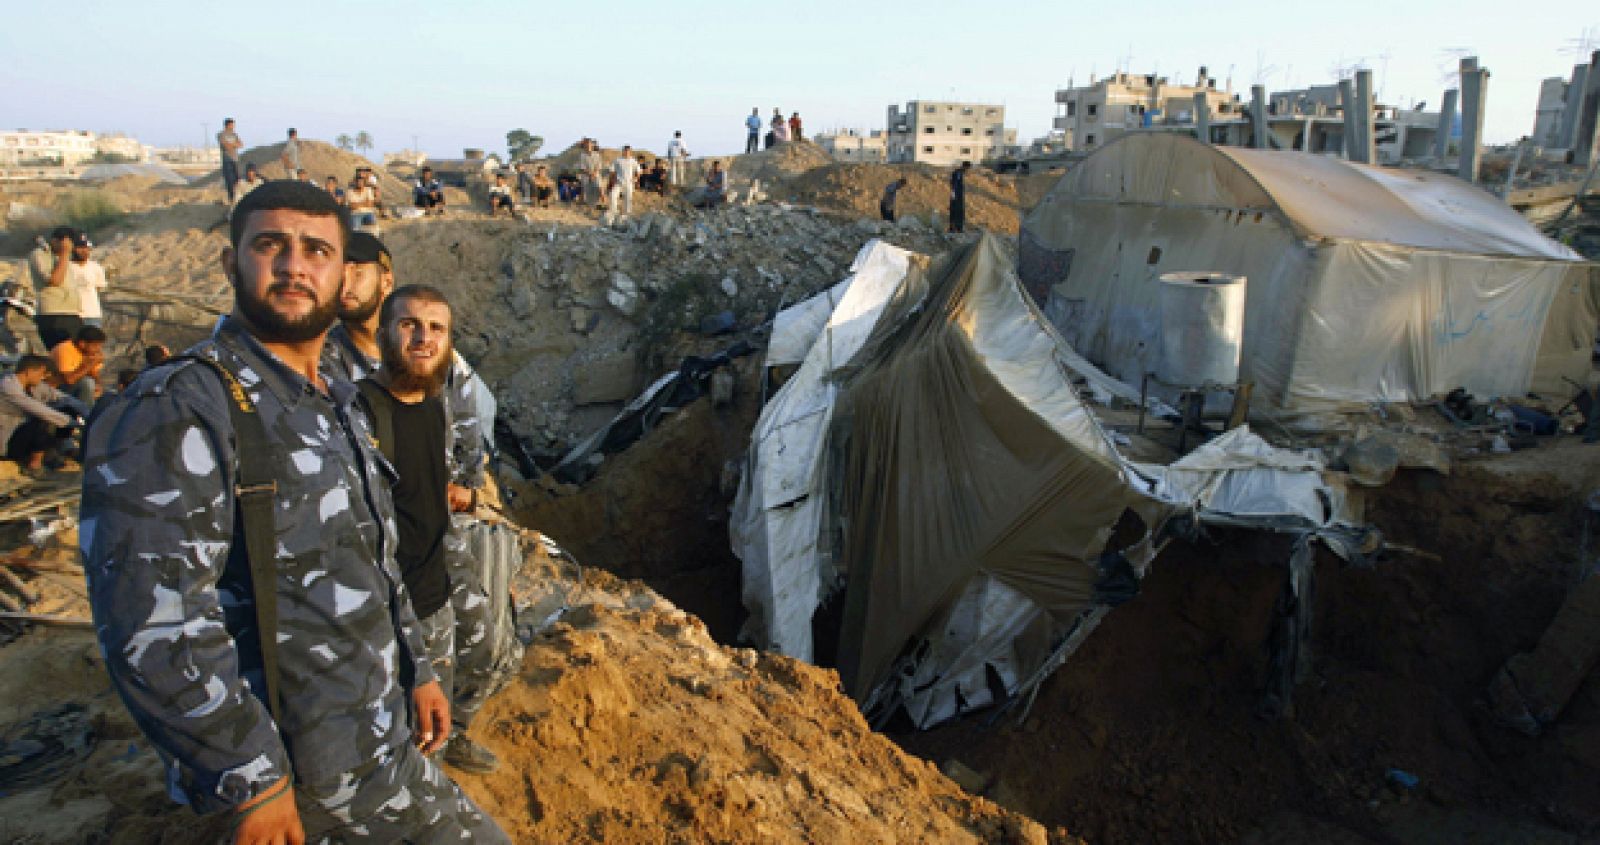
column 53, row 386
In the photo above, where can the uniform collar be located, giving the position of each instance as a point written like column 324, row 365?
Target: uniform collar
column 285, row 384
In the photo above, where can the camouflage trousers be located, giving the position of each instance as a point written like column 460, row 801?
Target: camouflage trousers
column 487, row 650
column 399, row 797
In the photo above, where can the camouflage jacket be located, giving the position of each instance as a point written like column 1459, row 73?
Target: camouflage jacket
column 171, row 590
column 464, row 447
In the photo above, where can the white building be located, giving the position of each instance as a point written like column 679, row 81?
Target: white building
column 24, row 148
column 945, row 133
column 854, row 145
column 129, row 150
column 1091, row 116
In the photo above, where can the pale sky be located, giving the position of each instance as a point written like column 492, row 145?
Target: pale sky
column 461, row 74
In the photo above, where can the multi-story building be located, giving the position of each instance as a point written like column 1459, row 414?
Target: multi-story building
column 1092, row 116
column 854, row 145
column 23, row 148
column 944, row 134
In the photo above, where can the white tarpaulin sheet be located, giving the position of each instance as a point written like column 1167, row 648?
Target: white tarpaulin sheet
column 778, row 513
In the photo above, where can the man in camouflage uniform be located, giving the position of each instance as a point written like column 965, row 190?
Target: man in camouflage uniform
column 170, row 584
column 487, row 655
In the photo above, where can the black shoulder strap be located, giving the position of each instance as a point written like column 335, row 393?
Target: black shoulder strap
column 382, row 406
column 256, row 490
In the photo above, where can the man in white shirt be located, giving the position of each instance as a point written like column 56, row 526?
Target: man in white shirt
column 677, row 153
column 291, row 155
column 86, row 274
column 624, row 175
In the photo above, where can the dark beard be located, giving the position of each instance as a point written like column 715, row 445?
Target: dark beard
column 404, row 380
column 362, row 312
column 273, row 327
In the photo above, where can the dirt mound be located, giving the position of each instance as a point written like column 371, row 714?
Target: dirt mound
column 321, row 160
column 992, row 201
column 629, row 724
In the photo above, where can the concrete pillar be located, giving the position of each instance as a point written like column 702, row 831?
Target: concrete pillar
column 1586, row 140
column 1347, row 107
column 1572, row 107
column 1474, row 98
column 1258, row 116
column 1447, row 120
column 1364, row 121
column 1202, row 118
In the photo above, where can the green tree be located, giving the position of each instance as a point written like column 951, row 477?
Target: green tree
column 521, row 145
column 344, row 142
column 363, row 141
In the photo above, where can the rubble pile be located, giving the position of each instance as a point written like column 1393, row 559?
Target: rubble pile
column 560, row 317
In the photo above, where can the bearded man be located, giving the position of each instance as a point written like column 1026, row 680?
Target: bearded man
column 403, row 399
column 238, row 539
column 486, row 655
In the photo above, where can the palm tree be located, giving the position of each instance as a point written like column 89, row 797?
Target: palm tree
column 363, row 141
column 343, row 142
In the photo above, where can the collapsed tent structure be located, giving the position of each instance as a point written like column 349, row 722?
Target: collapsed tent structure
column 931, row 468
column 1364, row 284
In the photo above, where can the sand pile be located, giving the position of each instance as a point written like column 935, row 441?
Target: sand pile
column 992, row 201
column 627, row 724
column 566, row 161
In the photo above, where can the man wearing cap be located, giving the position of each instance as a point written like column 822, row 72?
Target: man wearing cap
column 485, row 658
column 315, row 728
column 74, row 284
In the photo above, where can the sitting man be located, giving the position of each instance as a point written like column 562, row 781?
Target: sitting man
column 428, row 193
column 654, row 179
column 78, row 363
column 500, row 197
column 716, row 192
column 543, row 187
column 29, row 425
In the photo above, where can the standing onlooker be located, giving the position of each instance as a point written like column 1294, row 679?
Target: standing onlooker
column 59, row 311
column 229, row 141
column 677, row 154
column 589, row 166
column 958, row 197
column 333, row 189
column 291, row 156
column 752, row 124
column 428, row 192
column 88, row 277
column 794, row 128
column 624, row 176
column 524, row 182
column 43, row 258
column 886, row 205
column 780, row 128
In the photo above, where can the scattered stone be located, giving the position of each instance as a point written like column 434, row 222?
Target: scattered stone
column 583, row 320
column 722, row 383
column 964, row 776
column 729, row 286
column 623, row 294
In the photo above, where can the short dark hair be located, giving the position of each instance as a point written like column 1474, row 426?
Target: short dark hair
column 33, row 362
column 60, row 232
column 155, row 353
column 292, row 196
column 425, row 293
column 90, row 334
column 226, row 121
column 291, row 131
